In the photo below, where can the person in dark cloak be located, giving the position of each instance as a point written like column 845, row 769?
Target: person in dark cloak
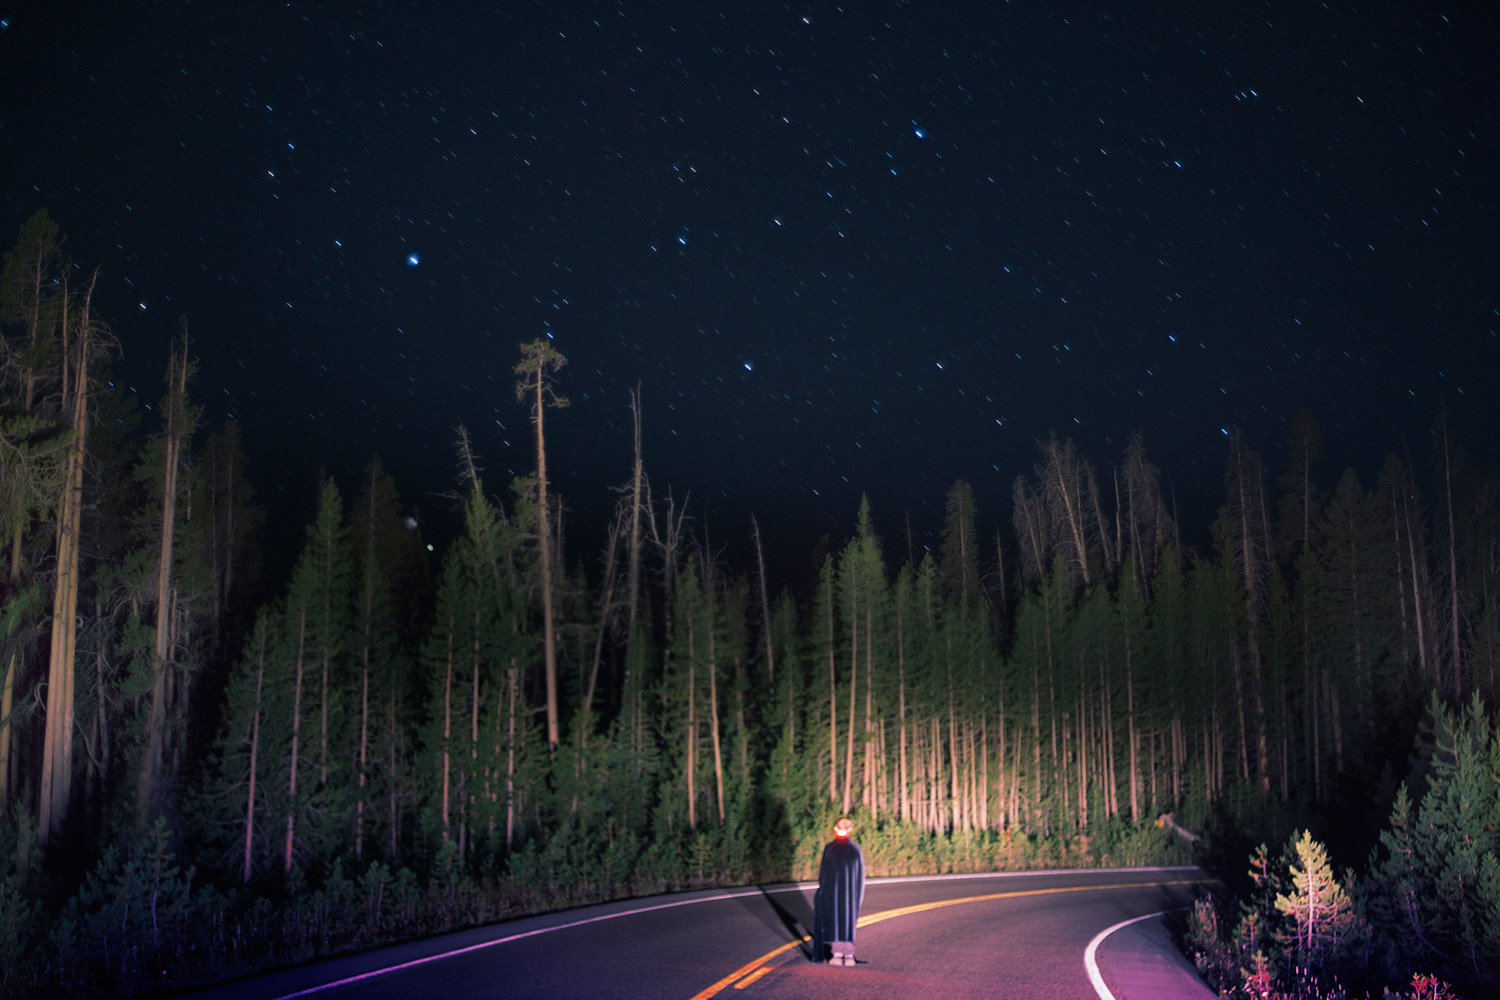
column 841, row 890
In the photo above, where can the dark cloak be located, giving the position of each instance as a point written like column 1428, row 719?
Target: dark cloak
column 841, row 890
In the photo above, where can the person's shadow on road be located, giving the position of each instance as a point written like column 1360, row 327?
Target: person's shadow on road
column 780, row 903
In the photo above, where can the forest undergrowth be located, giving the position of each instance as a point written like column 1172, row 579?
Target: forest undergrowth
column 1419, row 919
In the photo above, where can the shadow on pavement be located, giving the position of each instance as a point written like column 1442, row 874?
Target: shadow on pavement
column 784, row 909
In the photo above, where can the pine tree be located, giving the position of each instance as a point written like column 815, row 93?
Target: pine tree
column 310, row 660
column 1321, row 912
column 1438, row 886
column 388, row 572
column 960, row 546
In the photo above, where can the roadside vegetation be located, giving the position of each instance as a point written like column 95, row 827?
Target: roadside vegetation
column 1420, row 918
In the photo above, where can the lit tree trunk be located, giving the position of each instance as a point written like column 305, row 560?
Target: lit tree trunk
column 36, row 257
column 1456, row 689
column 472, row 772
column 833, row 706
column 538, row 359
column 637, row 482
column 692, row 726
column 901, row 774
column 713, row 705
column 510, row 759
column 765, row 605
column 8, row 684
column 177, row 429
column 447, row 756
column 631, row 685
column 1249, row 504
column 954, row 755
column 7, row 699
column 1418, row 613
column 248, row 855
column 870, row 798
column 606, row 613
column 1064, row 476
column 366, row 647
column 57, row 750
column 984, row 775
column 291, row 806
column 393, row 797
column 853, row 685
column 325, row 658
column 1130, row 732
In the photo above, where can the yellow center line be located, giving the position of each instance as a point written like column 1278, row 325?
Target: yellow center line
column 752, row 977
column 755, row 967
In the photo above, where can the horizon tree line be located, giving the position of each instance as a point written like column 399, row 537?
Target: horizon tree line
column 1083, row 670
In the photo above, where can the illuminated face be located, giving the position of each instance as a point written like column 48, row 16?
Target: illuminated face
column 842, row 828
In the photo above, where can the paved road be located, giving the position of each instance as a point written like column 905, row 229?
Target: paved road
column 1013, row 935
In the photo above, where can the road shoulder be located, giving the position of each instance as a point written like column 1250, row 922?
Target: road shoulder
column 1141, row 961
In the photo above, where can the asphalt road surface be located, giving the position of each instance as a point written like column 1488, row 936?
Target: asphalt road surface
column 1015, row 935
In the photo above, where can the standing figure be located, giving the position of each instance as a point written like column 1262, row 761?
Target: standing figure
column 841, row 890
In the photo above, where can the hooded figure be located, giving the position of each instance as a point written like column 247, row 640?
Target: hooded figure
column 841, row 890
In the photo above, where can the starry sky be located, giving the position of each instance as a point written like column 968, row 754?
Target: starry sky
column 863, row 248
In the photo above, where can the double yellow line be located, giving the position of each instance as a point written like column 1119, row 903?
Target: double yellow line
column 752, row 971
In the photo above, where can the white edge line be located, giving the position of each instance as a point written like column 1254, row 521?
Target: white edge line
column 1090, row 960
column 738, row 894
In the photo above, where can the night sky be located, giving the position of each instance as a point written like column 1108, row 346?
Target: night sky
column 869, row 248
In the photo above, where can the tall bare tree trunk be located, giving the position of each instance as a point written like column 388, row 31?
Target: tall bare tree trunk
column 472, row 771
column 510, row 759
column 901, row 773
column 692, row 727
column 7, row 689
column 537, row 359
column 833, row 706
column 606, row 612
column 765, row 604
column 248, row 856
column 393, row 796
column 448, row 728
column 57, row 750
column 291, row 805
column 1130, row 733
column 1417, row 612
column 954, row 754
column 153, row 773
column 366, row 645
column 853, row 685
column 637, row 483
column 713, row 711
column 1457, row 636
column 869, row 795
column 1250, row 501
column 1069, row 486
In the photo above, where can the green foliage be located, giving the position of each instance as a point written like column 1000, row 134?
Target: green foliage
column 131, row 920
column 1436, row 893
column 1424, row 915
column 21, row 915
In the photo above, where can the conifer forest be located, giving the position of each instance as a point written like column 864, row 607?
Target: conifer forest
column 205, row 770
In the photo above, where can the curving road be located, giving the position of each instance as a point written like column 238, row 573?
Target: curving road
column 1009, row 934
